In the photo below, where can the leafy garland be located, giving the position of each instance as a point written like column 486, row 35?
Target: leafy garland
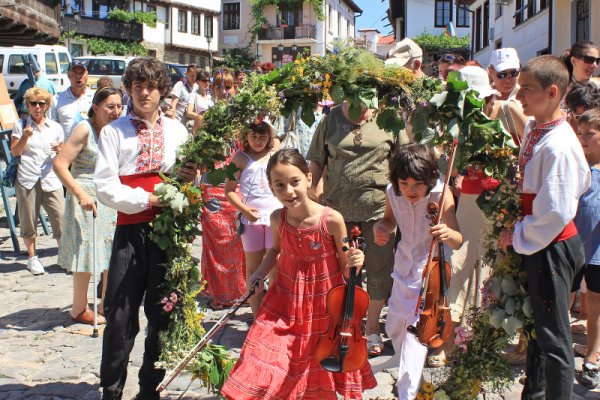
column 177, row 226
column 435, row 43
column 438, row 116
column 140, row 17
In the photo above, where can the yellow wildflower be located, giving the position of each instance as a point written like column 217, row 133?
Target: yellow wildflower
column 427, row 387
column 327, row 76
column 297, row 61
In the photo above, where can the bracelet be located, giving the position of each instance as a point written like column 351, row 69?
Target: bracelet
column 149, row 203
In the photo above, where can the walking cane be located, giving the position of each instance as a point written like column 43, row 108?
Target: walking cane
column 95, row 260
column 204, row 340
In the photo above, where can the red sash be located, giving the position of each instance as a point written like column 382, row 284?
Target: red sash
column 146, row 182
column 527, row 209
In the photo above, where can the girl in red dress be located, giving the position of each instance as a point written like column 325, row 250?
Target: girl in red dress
column 278, row 358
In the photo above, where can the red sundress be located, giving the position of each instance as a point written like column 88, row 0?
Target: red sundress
column 277, row 360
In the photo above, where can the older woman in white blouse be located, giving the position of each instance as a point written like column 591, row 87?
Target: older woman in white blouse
column 37, row 140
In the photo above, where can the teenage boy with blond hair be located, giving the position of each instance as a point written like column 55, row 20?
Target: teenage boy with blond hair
column 554, row 174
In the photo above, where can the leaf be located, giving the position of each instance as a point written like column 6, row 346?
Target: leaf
column 216, row 177
column 510, row 306
column 354, row 109
column 527, row 310
column 388, row 120
column 497, row 318
column 455, row 82
column 337, row 93
column 442, row 163
column 511, row 324
column 453, row 128
column 489, row 170
column 439, row 99
column 213, row 373
column 428, row 136
column 509, row 286
column 308, row 116
column 420, row 122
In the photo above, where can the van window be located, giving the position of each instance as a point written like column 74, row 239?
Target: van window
column 63, row 59
column 16, row 64
column 51, row 67
column 1, row 61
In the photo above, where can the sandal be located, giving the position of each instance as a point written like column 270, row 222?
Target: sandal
column 87, row 317
column 578, row 326
column 374, row 344
column 436, row 360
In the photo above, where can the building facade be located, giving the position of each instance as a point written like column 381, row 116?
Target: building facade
column 532, row 27
column 29, row 22
column 291, row 28
column 186, row 32
column 410, row 18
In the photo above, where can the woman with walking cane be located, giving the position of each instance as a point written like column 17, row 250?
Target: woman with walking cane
column 75, row 252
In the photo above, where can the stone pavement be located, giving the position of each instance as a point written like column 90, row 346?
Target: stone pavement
column 45, row 356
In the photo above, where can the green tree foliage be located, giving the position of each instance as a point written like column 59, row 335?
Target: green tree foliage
column 98, row 45
column 239, row 58
column 436, row 43
column 141, row 17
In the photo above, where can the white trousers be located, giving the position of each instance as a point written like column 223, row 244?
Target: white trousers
column 401, row 314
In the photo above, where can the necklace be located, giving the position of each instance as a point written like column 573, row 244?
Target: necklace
column 356, row 132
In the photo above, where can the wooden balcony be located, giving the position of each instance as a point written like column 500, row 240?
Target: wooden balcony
column 28, row 22
column 289, row 32
column 105, row 28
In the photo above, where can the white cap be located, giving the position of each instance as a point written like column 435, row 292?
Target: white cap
column 478, row 79
column 403, row 52
column 503, row 59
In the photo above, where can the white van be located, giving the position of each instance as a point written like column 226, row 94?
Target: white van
column 54, row 61
column 103, row 65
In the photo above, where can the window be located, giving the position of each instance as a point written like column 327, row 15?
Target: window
column 150, row 8
column 520, row 12
column 486, row 24
column 499, row 44
column 543, row 4
column 290, row 14
column 208, row 26
column 195, row 24
column 51, row 65
column 340, row 21
column 231, row 16
column 582, row 28
column 1, row 61
column 499, row 9
column 463, row 16
column 349, row 30
column 531, row 8
column 100, row 8
column 63, row 60
column 182, row 21
column 192, row 59
column 16, row 64
column 181, row 58
column 330, row 14
column 478, row 29
column 443, row 13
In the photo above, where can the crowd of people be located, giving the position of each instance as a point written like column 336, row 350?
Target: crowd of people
column 283, row 223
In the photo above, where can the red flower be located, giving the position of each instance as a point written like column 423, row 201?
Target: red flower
column 490, row 184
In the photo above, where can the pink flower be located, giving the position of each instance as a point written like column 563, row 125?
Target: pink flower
column 168, row 307
column 173, row 298
column 490, row 184
column 164, row 300
column 463, row 336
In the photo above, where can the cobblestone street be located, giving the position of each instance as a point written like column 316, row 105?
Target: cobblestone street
column 45, row 356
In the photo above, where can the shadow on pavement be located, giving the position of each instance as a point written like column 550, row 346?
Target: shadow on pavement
column 35, row 319
column 61, row 390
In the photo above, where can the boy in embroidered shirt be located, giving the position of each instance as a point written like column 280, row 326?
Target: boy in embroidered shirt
column 554, row 175
column 131, row 153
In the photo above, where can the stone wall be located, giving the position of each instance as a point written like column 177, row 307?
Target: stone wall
column 159, row 48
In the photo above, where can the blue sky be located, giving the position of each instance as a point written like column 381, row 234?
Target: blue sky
column 373, row 12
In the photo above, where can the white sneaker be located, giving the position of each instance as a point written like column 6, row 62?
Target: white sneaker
column 35, row 266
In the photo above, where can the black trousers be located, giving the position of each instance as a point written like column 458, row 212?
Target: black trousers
column 135, row 274
column 550, row 273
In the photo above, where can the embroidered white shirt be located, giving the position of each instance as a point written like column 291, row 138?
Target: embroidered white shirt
column 37, row 157
column 120, row 154
column 558, row 174
column 69, row 110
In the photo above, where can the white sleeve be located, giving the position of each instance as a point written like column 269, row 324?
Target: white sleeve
column 192, row 99
column 555, row 203
column 53, row 109
column 176, row 91
column 17, row 130
column 109, row 189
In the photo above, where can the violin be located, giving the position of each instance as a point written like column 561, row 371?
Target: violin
column 343, row 348
column 434, row 326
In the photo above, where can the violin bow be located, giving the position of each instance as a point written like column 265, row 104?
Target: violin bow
column 427, row 271
column 204, row 340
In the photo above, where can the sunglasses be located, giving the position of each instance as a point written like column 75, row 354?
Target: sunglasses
column 38, row 103
column 507, row 74
column 589, row 59
column 447, row 58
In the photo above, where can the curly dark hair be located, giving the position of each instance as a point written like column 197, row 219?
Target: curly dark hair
column 586, row 95
column 416, row 161
column 148, row 69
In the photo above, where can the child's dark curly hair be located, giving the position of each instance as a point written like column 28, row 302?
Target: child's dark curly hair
column 414, row 161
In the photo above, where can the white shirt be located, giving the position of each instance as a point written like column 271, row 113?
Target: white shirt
column 69, row 110
column 37, row 157
column 119, row 155
column 201, row 103
column 558, row 174
column 182, row 91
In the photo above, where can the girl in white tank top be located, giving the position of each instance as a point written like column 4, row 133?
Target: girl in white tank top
column 255, row 202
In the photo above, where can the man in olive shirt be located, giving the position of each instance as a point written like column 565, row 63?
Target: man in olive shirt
column 355, row 153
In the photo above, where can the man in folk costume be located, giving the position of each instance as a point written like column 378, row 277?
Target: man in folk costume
column 132, row 151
